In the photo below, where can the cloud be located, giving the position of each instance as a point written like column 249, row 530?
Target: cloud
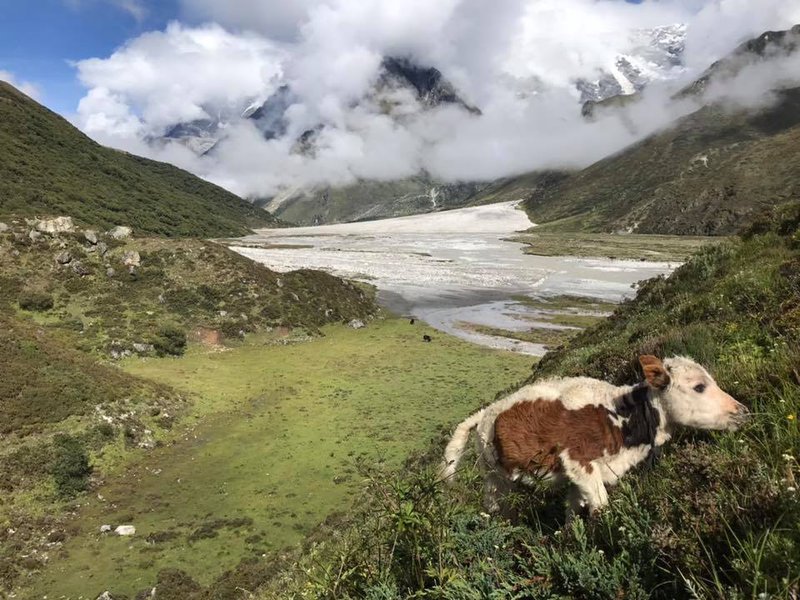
column 26, row 87
column 135, row 8
column 515, row 59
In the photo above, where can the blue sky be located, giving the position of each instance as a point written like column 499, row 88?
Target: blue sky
column 38, row 38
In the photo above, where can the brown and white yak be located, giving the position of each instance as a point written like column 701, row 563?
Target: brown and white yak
column 589, row 432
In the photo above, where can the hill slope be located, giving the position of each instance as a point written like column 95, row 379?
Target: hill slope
column 48, row 167
column 713, row 173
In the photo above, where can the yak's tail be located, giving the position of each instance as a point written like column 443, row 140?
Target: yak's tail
column 455, row 447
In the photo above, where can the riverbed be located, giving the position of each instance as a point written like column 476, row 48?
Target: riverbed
column 452, row 269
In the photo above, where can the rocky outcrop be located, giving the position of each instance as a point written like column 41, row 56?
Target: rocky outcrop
column 57, row 225
column 120, row 232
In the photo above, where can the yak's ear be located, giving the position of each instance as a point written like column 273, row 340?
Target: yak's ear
column 654, row 371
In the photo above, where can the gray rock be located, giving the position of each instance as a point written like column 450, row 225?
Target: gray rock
column 64, row 258
column 34, row 235
column 120, row 232
column 125, row 530
column 143, row 348
column 91, row 237
column 80, row 268
column 105, row 596
column 4, row 228
column 356, row 324
column 110, row 272
column 105, row 529
column 102, row 248
column 131, row 259
column 57, row 225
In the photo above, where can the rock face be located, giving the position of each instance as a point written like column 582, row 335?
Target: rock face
column 57, row 225
column 120, row 232
column 125, row 530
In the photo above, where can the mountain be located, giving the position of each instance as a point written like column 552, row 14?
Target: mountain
column 48, row 167
column 653, row 55
column 712, row 172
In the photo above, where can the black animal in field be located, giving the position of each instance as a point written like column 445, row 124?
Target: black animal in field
column 412, row 321
column 427, row 338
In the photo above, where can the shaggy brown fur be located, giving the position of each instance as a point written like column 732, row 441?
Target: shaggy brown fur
column 530, row 435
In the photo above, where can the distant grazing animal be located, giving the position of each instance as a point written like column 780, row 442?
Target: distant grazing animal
column 412, row 321
column 427, row 338
column 586, row 431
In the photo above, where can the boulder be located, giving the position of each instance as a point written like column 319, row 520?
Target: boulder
column 105, row 596
column 101, row 248
column 120, row 232
column 91, row 237
column 105, row 528
column 57, row 225
column 125, row 530
column 143, row 348
column 34, row 235
column 110, row 272
column 80, row 268
column 131, row 259
column 4, row 228
column 356, row 324
column 63, row 258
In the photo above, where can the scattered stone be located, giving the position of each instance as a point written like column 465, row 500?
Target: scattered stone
column 356, row 324
column 34, row 235
column 223, row 313
column 80, row 268
column 131, row 259
column 105, row 596
column 110, row 272
column 91, row 237
column 120, row 232
column 57, row 225
column 64, row 258
column 125, row 530
column 4, row 228
column 143, row 348
column 15, row 253
column 101, row 248
column 105, row 528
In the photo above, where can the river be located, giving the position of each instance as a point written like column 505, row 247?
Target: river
column 451, row 269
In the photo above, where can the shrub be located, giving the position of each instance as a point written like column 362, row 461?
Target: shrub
column 70, row 468
column 170, row 340
column 35, row 301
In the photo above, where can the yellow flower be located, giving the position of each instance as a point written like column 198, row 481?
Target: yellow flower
column 790, row 417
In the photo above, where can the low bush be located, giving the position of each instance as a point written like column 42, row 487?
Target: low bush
column 35, row 301
column 169, row 340
column 70, row 468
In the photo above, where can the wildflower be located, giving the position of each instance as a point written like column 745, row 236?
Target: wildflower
column 791, row 417
column 791, row 488
column 787, row 457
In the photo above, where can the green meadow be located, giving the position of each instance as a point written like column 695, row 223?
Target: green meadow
column 270, row 448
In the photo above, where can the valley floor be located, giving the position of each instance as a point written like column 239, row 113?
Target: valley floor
column 270, row 449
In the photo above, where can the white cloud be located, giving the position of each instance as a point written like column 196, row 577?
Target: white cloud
column 26, row 87
column 135, row 8
column 516, row 59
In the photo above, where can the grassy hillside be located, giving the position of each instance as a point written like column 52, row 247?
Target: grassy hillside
column 717, row 517
column 714, row 173
column 48, row 167
column 68, row 416
column 199, row 287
